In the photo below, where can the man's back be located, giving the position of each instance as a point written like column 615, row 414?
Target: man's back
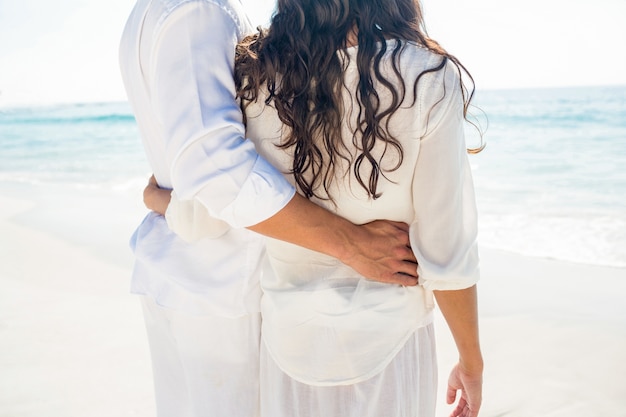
column 177, row 96
column 150, row 38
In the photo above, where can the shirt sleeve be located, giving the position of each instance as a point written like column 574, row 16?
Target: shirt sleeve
column 190, row 76
column 444, row 233
column 191, row 221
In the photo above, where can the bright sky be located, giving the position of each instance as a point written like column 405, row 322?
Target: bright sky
column 66, row 50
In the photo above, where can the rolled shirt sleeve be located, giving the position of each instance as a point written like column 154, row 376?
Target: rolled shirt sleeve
column 444, row 233
column 191, row 221
column 190, row 75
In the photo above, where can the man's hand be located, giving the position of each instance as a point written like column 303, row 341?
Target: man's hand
column 381, row 251
column 155, row 198
column 470, row 383
column 378, row 250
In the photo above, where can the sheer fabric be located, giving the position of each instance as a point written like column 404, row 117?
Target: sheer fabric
column 203, row 365
column 405, row 388
column 325, row 325
column 335, row 344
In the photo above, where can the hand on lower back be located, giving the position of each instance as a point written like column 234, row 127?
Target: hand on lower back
column 381, row 252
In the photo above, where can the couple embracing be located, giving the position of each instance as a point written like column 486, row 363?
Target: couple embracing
column 311, row 199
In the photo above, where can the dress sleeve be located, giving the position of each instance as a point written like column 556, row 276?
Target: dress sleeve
column 443, row 235
column 190, row 77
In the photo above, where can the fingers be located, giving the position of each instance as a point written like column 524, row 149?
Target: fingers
column 468, row 412
column 408, row 268
column 398, row 225
column 471, row 407
column 401, row 248
column 470, row 387
column 409, row 257
column 403, row 262
column 463, row 409
column 399, row 231
column 386, row 254
column 404, row 265
column 460, row 410
column 450, row 395
column 404, row 280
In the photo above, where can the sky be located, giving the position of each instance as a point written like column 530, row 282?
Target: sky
column 66, row 50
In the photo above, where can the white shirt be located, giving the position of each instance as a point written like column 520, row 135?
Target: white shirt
column 325, row 325
column 177, row 60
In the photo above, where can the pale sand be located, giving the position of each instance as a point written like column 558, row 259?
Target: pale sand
column 72, row 342
column 553, row 336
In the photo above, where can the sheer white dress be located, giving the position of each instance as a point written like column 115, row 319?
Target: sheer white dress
column 333, row 343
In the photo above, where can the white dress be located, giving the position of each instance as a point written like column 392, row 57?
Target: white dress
column 334, row 343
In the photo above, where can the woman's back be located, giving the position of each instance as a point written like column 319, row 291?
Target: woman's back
column 323, row 323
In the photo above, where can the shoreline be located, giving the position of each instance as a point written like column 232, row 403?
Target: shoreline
column 45, row 214
column 72, row 341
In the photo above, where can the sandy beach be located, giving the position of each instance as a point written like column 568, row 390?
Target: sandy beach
column 72, row 342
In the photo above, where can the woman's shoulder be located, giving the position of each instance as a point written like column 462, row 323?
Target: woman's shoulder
column 418, row 57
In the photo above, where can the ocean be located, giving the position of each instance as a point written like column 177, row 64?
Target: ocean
column 551, row 182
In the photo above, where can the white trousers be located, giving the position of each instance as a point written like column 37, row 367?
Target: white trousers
column 203, row 366
column 407, row 387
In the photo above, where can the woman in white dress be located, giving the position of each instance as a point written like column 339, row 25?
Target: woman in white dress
column 365, row 115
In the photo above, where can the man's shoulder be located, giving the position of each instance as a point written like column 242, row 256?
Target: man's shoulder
column 230, row 9
column 169, row 6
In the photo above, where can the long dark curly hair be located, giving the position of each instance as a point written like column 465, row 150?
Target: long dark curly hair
column 296, row 60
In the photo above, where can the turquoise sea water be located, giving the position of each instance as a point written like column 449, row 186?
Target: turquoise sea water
column 551, row 182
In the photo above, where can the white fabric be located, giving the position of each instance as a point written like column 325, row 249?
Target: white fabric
column 203, row 366
column 198, row 223
column 325, row 326
column 405, row 388
column 176, row 59
column 317, row 311
column 208, row 277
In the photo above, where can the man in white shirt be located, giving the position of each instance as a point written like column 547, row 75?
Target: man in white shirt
column 201, row 299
